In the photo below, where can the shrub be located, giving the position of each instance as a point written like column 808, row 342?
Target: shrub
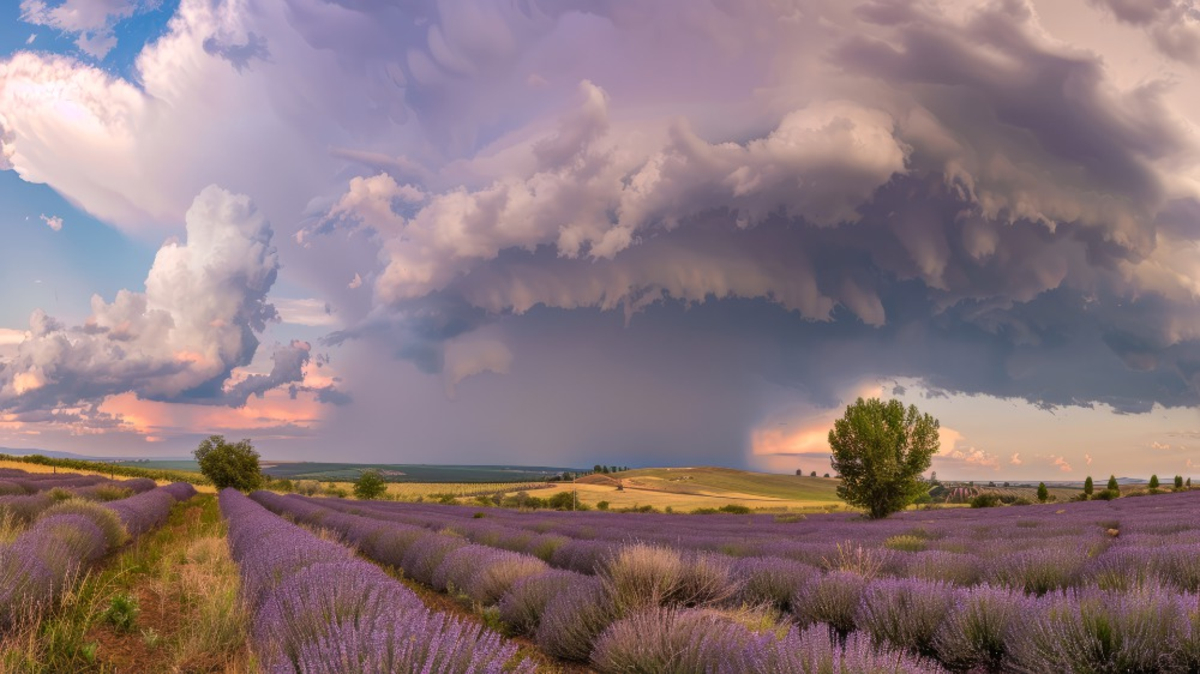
column 389, row 545
column 581, row 555
column 950, row 567
column 24, row 508
column 641, row 575
column 602, row 505
column 1154, row 482
column 498, row 573
column 904, row 612
column 668, row 641
column 425, row 555
column 985, row 500
column 817, row 650
column 1103, row 631
column 734, row 509
column 772, row 580
column 574, row 619
column 708, row 578
column 58, row 494
column 105, row 519
column 831, row 599
column 977, row 632
column 866, row 562
column 521, row 608
column 1039, row 570
column 1107, row 494
column 308, row 487
column 370, row 485
column 104, row 492
column 905, row 543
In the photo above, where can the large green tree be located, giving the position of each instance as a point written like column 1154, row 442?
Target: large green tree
column 229, row 464
column 880, row 449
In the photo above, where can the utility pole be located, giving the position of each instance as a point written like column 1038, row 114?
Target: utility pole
column 575, row 488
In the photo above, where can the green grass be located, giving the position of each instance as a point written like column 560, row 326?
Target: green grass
column 167, row 602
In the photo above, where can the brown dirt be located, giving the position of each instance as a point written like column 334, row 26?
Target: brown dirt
column 160, row 613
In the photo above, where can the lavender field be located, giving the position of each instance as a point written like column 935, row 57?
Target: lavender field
column 1100, row 586
column 58, row 526
column 332, row 585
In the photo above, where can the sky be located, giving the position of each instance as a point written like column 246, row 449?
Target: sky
column 682, row 232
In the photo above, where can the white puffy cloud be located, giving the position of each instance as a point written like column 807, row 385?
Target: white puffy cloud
column 52, row 221
column 1172, row 25
column 91, row 21
column 205, row 300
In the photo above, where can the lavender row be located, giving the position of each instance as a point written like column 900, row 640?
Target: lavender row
column 23, row 508
column 1139, row 627
column 578, row 617
column 32, row 483
column 47, row 558
column 1039, row 549
column 149, row 510
column 317, row 608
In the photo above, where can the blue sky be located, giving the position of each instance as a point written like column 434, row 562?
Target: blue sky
column 447, row 232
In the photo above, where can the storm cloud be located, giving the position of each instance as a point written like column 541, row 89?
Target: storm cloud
column 768, row 201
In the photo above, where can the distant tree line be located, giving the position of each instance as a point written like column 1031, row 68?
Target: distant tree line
column 111, row 469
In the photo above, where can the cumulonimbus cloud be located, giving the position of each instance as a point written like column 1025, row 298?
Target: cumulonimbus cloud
column 938, row 190
column 204, row 304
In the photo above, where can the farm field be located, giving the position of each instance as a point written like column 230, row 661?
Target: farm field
column 409, row 472
column 686, row 489
column 165, row 577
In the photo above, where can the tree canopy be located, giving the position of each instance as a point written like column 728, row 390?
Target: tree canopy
column 370, row 485
column 228, row 464
column 880, row 450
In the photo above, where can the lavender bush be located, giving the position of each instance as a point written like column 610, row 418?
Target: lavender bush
column 522, row 606
column 319, row 609
column 977, row 632
column 574, row 619
column 832, row 599
column 904, row 612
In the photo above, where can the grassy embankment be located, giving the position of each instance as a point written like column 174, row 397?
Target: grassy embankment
column 166, row 603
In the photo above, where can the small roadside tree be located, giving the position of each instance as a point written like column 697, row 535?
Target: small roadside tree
column 1179, row 482
column 370, row 485
column 1088, row 487
column 1154, row 482
column 1043, row 493
column 1112, row 484
column 229, row 464
column 881, row 450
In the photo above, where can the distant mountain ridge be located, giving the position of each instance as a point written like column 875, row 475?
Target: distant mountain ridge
column 55, row 454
